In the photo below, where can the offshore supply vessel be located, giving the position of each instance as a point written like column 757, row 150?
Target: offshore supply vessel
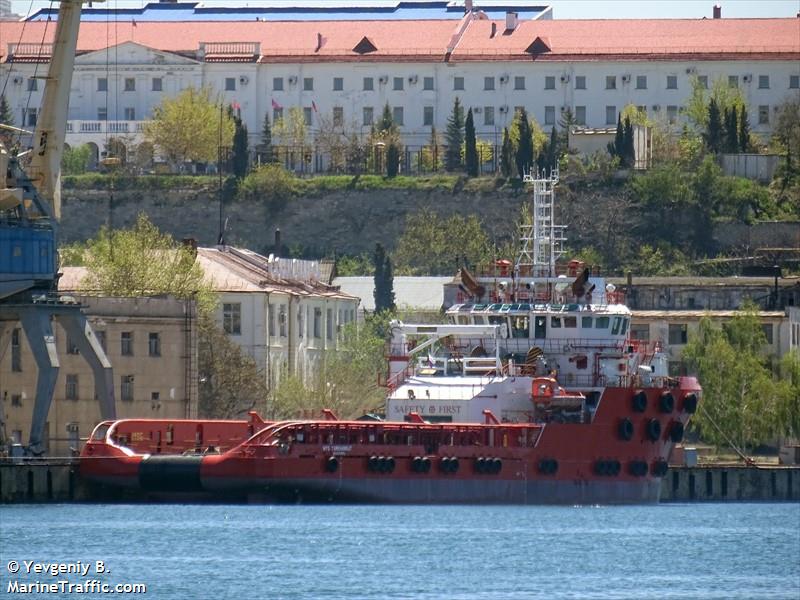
column 531, row 392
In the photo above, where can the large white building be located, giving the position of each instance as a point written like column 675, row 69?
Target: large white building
column 346, row 66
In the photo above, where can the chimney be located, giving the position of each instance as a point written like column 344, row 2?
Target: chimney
column 511, row 21
column 319, row 42
column 467, row 6
column 494, row 29
column 717, row 11
column 277, row 241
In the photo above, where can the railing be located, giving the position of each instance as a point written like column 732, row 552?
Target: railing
column 103, row 126
column 29, row 50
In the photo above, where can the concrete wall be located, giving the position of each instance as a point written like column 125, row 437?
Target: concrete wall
column 731, row 484
column 753, row 166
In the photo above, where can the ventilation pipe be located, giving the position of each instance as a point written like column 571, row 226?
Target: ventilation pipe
column 277, row 241
column 511, row 21
column 717, row 11
column 467, row 6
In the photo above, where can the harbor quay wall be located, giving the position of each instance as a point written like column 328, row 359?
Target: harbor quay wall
column 57, row 480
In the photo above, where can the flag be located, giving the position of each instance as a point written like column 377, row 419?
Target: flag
column 235, row 105
column 275, row 105
column 314, row 106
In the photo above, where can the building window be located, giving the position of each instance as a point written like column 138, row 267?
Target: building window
column 458, row 84
column 677, row 333
column 130, row 114
column 154, row 344
column 397, row 115
column 30, row 115
column 308, row 117
column 338, row 116
column 702, row 80
column 277, row 84
column 641, row 82
column 329, row 323
column 130, row 84
column 271, row 320
column 640, row 331
column 794, row 82
column 369, row 84
column 282, row 320
column 101, row 338
column 580, row 115
column 232, row 318
column 427, row 83
column 308, row 84
column 488, row 115
column 158, row 84
column 763, row 82
column 277, row 114
column 33, row 84
column 230, row 84
column 72, row 347
column 102, row 114
column 550, row 82
column 397, row 83
column 71, row 392
column 672, row 82
column 16, row 399
column 611, row 115
column 427, row 115
column 126, row 388
column 338, row 84
column 549, row 115
column 580, row 82
column 317, row 322
column 126, row 343
column 519, row 82
column 611, row 82
column 763, row 115
column 733, row 81
column 16, row 352
column 102, row 84
column 368, row 115
column 672, row 114
column 300, row 328
column 488, row 83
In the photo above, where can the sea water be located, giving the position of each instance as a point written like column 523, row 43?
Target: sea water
column 693, row 551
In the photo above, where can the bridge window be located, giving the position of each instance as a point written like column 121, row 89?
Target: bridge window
column 519, row 327
column 479, row 320
column 571, row 322
column 555, row 322
column 617, row 323
column 601, row 323
column 586, row 322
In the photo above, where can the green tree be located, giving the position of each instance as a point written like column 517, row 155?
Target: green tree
column 75, row 160
column 291, row 132
column 454, row 137
column 386, row 122
column 241, row 154
column 189, row 127
column 741, row 401
column 629, row 148
column 6, row 118
column 730, row 138
column 392, row 159
column 384, row 280
column 713, row 130
column 525, row 146
column 265, row 148
column 431, row 155
column 506, row 155
column 471, row 151
column 744, row 131
column 619, row 140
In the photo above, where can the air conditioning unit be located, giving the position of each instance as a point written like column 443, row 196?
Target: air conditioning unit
column 72, row 427
column 412, row 79
column 244, row 79
column 503, row 78
column 383, row 79
column 747, row 78
column 477, row 109
column 656, row 107
column 17, row 80
column 691, row 71
column 565, row 79
column 503, row 109
column 626, row 79
column 292, row 79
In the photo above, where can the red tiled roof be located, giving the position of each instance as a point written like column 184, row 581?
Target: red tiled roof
column 634, row 39
column 293, row 41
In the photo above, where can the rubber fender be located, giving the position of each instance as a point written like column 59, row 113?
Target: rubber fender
column 653, row 429
column 373, row 463
column 383, row 466
column 390, row 464
column 639, row 402
column 497, row 465
column 625, row 429
column 332, row 464
column 454, row 464
column 666, row 403
column 637, row 468
column 659, row 468
column 614, row 468
column 170, row 473
column 426, row 464
column 416, row 464
column 601, row 467
column 690, row 403
column 480, row 465
column 676, row 431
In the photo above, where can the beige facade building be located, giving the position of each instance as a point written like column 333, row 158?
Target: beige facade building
column 152, row 346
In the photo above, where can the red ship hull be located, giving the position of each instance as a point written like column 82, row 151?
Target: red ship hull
column 619, row 457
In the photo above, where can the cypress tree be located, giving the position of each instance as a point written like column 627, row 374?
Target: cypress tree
column 731, row 135
column 387, row 121
column 713, row 134
column 266, row 140
column 240, row 158
column 384, row 280
column 619, row 140
column 630, row 148
column 454, row 137
column 552, row 150
column 470, row 146
column 524, row 156
column 392, row 159
column 744, row 131
column 506, row 162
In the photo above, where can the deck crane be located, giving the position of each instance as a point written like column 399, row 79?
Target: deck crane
column 30, row 209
